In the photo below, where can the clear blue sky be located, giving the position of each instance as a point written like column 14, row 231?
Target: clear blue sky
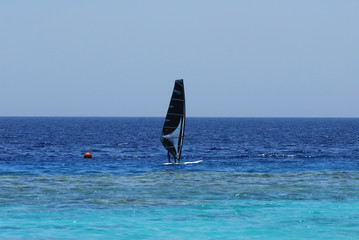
column 238, row 58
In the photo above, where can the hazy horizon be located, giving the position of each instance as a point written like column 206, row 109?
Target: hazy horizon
column 163, row 117
column 237, row 58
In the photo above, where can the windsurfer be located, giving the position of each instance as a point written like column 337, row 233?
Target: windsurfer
column 173, row 127
column 169, row 157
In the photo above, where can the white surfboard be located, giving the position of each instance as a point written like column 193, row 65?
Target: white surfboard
column 185, row 162
column 193, row 162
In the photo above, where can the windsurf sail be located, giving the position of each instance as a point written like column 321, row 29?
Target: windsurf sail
column 173, row 128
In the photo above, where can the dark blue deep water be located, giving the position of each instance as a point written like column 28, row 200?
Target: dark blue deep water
column 261, row 178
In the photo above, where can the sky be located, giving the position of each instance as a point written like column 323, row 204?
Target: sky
column 247, row 58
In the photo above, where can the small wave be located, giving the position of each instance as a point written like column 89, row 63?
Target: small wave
column 121, row 144
column 217, row 148
column 276, row 155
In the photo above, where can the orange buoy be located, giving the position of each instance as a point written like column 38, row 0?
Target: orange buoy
column 88, row 155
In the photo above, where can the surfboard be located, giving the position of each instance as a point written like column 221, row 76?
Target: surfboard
column 185, row 162
column 193, row 162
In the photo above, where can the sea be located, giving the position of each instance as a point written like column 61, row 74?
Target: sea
column 260, row 178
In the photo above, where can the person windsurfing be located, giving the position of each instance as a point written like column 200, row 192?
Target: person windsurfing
column 169, row 157
column 170, row 149
column 173, row 127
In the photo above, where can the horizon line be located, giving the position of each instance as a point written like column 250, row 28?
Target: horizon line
column 89, row 116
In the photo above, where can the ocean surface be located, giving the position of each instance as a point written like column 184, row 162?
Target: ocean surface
column 261, row 178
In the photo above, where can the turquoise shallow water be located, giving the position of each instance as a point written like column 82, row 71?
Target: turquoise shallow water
column 259, row 179
column 182, row 205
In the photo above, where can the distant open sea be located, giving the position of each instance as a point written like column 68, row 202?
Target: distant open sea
column 261, row 178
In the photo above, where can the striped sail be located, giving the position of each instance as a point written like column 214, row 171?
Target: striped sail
column 173, row 128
